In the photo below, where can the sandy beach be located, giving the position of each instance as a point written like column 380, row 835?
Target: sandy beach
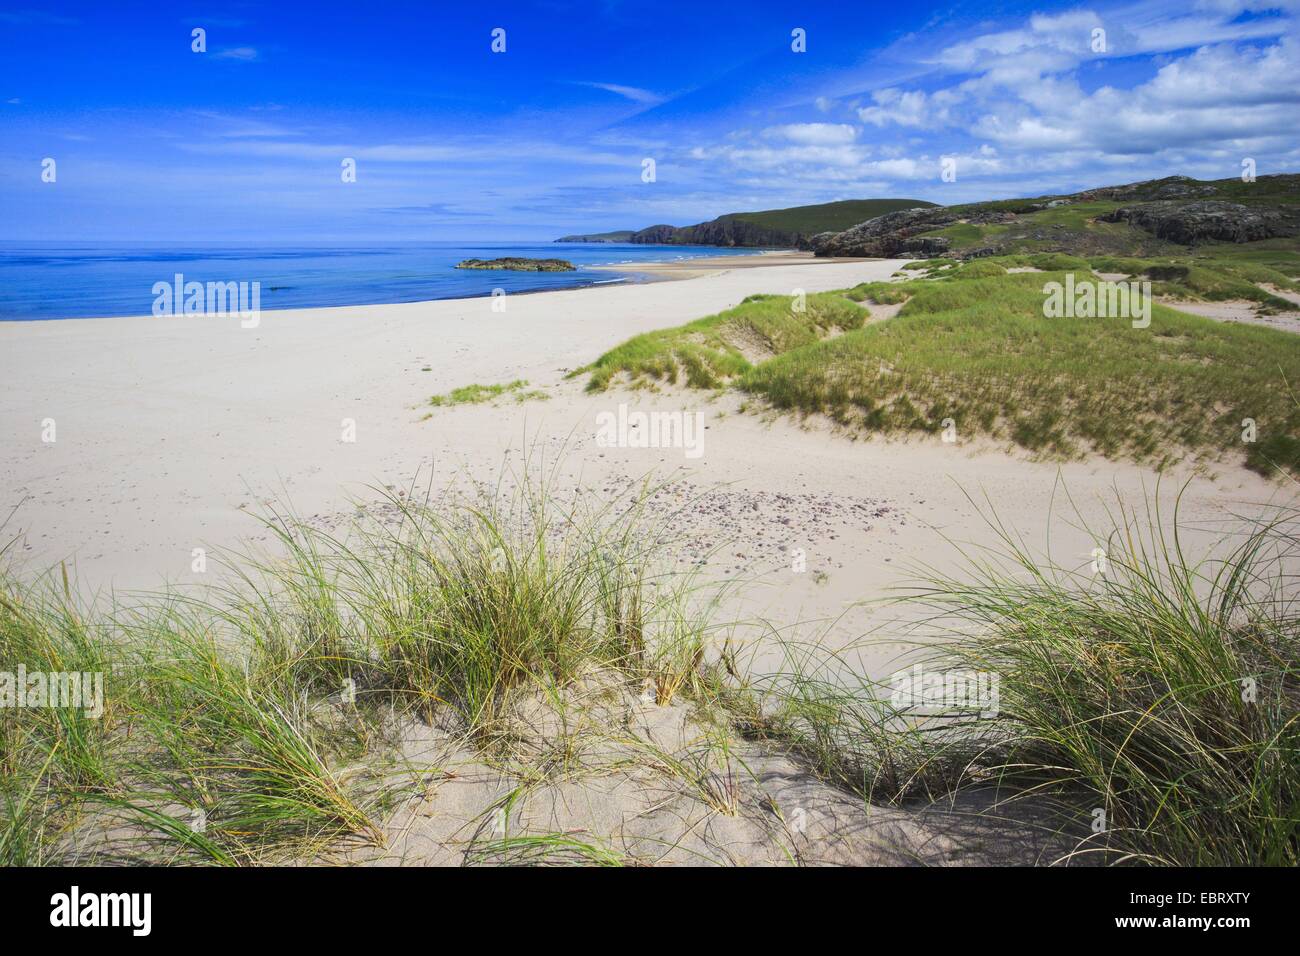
column 169, row 430
column 635, row 439
column 714, row 265
column 171, row 434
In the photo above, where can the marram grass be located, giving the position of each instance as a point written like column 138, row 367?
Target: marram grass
column 246, row 723
column 250, row 724
column 972, row 344
column 1153, row 707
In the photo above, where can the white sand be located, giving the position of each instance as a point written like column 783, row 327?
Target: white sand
column 171, row 432
column 1239, row 310
column 166, row 428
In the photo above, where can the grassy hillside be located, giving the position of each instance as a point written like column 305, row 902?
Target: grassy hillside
column 980, row 352
column 971, row 344
column 1072, row 228
column 826, row 217
column 711, row 350
column 772, row 227
column 618, row 235
column 1219, row 273
column 1075, row 225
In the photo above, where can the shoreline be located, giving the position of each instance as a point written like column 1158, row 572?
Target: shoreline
column 657, row 270
column 674, row 269
column 169, row 433
column 172, row 436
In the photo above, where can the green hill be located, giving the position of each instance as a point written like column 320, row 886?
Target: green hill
column 766, row 227
column 827, row 216
column 1157, row 217
column 619, row 235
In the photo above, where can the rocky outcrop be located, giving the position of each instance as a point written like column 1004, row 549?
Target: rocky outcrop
column 882, row 237
column 519, row 264
column 618, row 235
column 1169, row 211
column 896, row 234
column 1171, row 187
column 723, row 231
column 1190, row 223
column 660, row 235
column 765, row 227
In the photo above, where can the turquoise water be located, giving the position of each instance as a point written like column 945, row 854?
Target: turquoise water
column 60, row 281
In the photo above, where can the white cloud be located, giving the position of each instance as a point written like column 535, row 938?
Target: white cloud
column 898, row 107
column 813, row 134
column 244, row 53
column 635, row 94
column 1022, row 90
column 1216, row 96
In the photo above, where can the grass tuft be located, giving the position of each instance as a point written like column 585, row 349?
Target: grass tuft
column 711, row 351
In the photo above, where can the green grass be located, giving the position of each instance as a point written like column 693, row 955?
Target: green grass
column 1277, row 254
column 977, row 269
column 1165, row 690
column 547, row 849
column 1162, row 693
column 710, row 351
column 1072, row 227
column 1124, row 691
column 1205, row 277
column 979, row 351
column 971, row 343
column 966, row 235
column 1220, row 283
column 226, row 707
column 477, row 394
column 1215, row 276
column 827, row 217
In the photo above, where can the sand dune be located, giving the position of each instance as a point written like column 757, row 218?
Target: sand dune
column 171, row 433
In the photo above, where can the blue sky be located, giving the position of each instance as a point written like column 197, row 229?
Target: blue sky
column 243, row 142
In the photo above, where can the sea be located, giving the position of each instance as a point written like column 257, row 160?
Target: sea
column 67, row 280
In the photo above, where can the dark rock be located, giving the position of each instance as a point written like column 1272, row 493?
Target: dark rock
column 896, row 234
column 1189, row 223
column 1171, row 187
column 519, row 264
column 723, row 231
column 654, row 235
column 883, row 236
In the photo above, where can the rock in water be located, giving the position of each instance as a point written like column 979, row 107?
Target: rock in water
column 519, row 264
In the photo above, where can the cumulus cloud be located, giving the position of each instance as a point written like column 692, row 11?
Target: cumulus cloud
column 1220, row 84
column 898, row 107
column 814, row 134
column 1216, row 95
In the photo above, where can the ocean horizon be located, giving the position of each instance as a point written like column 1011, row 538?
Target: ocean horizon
column 54, row 280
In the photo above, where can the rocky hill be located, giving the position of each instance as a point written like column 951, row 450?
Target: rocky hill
column 620, row 235
column 1145, row 218
column 792, row 227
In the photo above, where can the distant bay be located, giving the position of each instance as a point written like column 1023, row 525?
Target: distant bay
column 78, row 280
